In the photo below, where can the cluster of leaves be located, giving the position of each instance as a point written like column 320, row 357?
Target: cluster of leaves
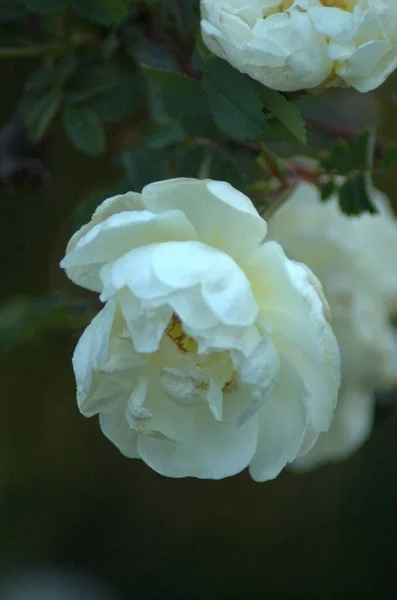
column 349, row 169
column 112, row 70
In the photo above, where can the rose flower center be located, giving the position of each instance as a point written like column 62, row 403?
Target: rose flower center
column 216, row 364
column 183, row 341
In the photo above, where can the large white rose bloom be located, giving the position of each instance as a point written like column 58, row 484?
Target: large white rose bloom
column 293, row 45
column 356, row 260
column 213, row 351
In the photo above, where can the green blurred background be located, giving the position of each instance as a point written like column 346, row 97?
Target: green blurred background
column 69, row 500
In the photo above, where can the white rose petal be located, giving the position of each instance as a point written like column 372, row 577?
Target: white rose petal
column 213, row 351
column 291, row 45
column 356, row 261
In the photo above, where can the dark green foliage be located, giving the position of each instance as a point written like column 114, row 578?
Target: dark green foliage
column 184, row 100
column 284, row 111
column 328, row 189
column 105, row 12
column 137, row 72
column 84, row 129
column 354, row 196
column 235, row 106
column 46, row 7
column 40, row 112
column 10, row 10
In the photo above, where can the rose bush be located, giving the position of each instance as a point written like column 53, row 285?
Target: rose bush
column 302, row 44
column 356, row 260
column 213, row 351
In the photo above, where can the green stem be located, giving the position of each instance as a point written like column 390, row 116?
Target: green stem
column 31, row 51
column 274, row 166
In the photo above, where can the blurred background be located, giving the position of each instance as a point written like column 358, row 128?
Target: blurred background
column 78, row 520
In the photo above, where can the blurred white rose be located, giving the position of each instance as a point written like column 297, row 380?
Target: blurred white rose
column 213, row 351
column 294, row 45
column 356, row 261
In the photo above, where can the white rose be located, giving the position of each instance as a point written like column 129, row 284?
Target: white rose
column 293, row 45
column 212, row 352
column 356, row 260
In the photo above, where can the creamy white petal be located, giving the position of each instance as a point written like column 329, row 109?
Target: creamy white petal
column 260, row 372
column 153, row 273
column 119, row 233
column 115, row 427
column 222, row 216
column 287, row 295
column 205, row 448
column 284, row 418
column 103, row 367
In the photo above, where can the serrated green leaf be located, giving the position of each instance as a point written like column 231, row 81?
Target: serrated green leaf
column 235, row 106
column 40, row 113
column 84, row 129
column 183, row 95
column 285, row 112
column 185, row 100
column 105, row 12
column 46, row 7
column 354, row 196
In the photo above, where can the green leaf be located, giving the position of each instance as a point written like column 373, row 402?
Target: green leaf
column 185, row 100
column 105, row 12
column 284, row 111
column 40, row 113
column 327, row 190
column 84, row 129
column 338, row 159
column 46, row 7
column 44, row 78
column 90, row 81
column 354, row 196
column 183, row 95
column 50, row 76
column 165, row 135
column 235, row 105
